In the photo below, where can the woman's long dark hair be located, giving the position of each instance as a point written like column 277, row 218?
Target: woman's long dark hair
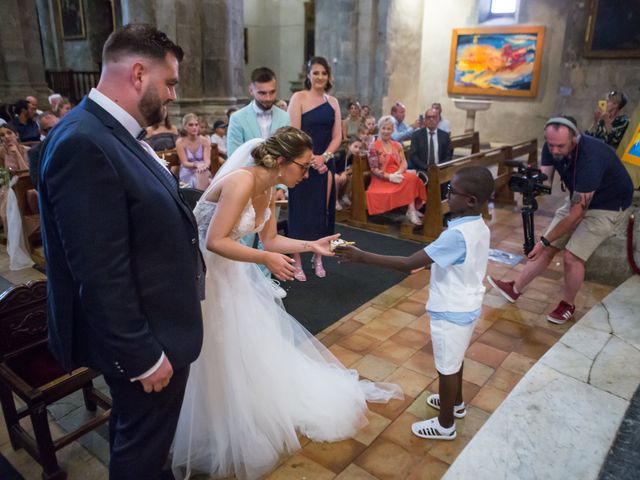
column 318, row 61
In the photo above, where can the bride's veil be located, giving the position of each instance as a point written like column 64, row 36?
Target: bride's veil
column 239, row 159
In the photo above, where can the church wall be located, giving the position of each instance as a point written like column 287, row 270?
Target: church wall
column 275, row 31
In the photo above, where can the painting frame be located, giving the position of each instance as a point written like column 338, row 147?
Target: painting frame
column 528, row 88
column 71, row 19
column 601, row 28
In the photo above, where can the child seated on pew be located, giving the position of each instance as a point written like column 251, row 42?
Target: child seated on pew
column 343, row 173
column 458, row 260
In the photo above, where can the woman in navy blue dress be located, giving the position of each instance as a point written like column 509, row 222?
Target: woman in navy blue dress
column 312, row 204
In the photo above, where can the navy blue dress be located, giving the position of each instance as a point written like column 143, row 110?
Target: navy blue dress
column 310, row 217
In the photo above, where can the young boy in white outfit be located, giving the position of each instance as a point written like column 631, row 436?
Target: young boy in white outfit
column 458, row 260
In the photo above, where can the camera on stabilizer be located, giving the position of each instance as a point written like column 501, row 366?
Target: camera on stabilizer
column 527, row 180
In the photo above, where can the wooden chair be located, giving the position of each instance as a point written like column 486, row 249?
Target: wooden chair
column 26, row 196
column 29, row 371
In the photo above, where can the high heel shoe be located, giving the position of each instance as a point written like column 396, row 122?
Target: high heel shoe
column 298, row 273
column 318, row 267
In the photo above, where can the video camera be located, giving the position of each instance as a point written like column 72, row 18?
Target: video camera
column 527, row 181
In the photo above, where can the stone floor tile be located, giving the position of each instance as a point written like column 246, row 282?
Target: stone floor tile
column 568, row 361
column 512, row 329
column 348, row 327
column 297, row 467
column 466, row 429
column 354, row 472
column 399, row 432
column 411, row 307
column 347, row 357
column 379, row 329
column 476, row 372
column 612, row 369
column 422, row 363
column 420, row 296
column 588, row 341
column 517, row 363
column 504, row 379
column 374, row 368
column 410, row 337
column 483, row 324
column 486, row 354
column 494, row 300
column 421, row 323
column 412, row 383
column 489, row 398
column 330, row 338
column 394, row 352
column 392, row 409
column 334, row 456
column 391, row 296
column 377, row 423
column 531, row 348
column 428, row 468
column 417, row 280
column 497, row 339
column 359, row 342
column 397, row 318
column 368, row 314
column 387, row 460
column 536, row 306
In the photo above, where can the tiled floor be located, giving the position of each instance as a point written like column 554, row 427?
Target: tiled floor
column 387, row 339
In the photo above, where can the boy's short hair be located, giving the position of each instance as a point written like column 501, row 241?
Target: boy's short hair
column 476, row 181
column 262, row 75
column 141, row 39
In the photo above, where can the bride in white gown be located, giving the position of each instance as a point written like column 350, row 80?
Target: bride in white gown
column 261, row 377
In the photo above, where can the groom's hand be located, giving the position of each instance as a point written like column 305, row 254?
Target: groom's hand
column 158, row 379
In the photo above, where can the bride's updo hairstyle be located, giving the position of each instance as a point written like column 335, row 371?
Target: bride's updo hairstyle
column 287, row 142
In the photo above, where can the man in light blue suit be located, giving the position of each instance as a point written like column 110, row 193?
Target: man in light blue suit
column 259, row 119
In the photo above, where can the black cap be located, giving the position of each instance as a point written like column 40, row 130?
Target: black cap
column 219, row 124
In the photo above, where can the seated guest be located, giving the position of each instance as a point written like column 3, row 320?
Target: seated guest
column 391, row 185
column 34, row 101
column 63, row 108
column 443, row 123
column 369, row 124
column 46, row 121
column 401, row 131
column 219, row 137
column 162, row 135
column 352, row 122
column 13, row 156
column 609, row 124
column 429, row 145
column 24, row 123
column 54, row 100
column 365, row 137
column 365, row 111
column 194, row 152
column 343, row 174
column 6, row 113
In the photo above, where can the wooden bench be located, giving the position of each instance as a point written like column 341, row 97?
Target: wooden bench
column 469, row 140
column 29, row 216
column 173, row 161
column 358, row 213
column 441, row 174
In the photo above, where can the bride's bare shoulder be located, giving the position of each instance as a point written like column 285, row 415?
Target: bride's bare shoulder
column 239, row 182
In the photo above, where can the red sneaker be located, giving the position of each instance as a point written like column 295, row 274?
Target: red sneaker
column 505, row 288
column 562, row 313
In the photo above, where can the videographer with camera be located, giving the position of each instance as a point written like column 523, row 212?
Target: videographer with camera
column 600, row 192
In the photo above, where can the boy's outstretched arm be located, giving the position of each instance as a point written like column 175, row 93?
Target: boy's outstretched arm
column 350, row 254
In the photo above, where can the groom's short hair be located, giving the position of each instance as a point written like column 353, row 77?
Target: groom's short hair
column 139, row 39
column 262, row 75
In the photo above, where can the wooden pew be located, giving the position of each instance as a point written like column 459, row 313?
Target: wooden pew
column 30, row 219
column 358, row 213
column 469, row 140
column 443, row 173
column 173, row 161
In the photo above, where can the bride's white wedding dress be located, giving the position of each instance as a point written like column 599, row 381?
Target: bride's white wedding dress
column 261, row 376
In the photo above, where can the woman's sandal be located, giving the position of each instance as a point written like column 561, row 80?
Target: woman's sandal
column 459, row 411
column 433, row 430
column 298, row 273
column 318, row 267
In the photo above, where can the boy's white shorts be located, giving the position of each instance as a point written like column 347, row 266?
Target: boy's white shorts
column 450, row 341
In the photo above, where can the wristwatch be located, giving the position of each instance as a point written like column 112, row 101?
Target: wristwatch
column 544, row 241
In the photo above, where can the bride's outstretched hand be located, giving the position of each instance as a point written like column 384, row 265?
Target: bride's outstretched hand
column 322, row 246
column 280, row 265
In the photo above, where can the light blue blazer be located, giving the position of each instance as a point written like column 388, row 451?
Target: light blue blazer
column 243, row 126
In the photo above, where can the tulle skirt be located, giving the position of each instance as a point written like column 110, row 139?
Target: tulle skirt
column 261, row 379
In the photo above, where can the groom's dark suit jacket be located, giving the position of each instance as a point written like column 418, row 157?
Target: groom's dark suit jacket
column 124, row 270
column 420, row 148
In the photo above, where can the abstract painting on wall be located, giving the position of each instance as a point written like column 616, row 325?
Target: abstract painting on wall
column 503, row 61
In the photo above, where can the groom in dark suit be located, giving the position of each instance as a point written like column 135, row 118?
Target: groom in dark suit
column 124, row 268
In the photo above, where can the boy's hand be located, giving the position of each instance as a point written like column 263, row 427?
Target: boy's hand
column 349, row 254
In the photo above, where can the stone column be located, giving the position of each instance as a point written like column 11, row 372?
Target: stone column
column 212, row 73
column 21, row 62
column 51, row 38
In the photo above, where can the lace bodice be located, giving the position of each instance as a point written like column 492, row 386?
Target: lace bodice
column 245, row 225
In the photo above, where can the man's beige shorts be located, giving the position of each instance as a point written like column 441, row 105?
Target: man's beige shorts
column 595, row 228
